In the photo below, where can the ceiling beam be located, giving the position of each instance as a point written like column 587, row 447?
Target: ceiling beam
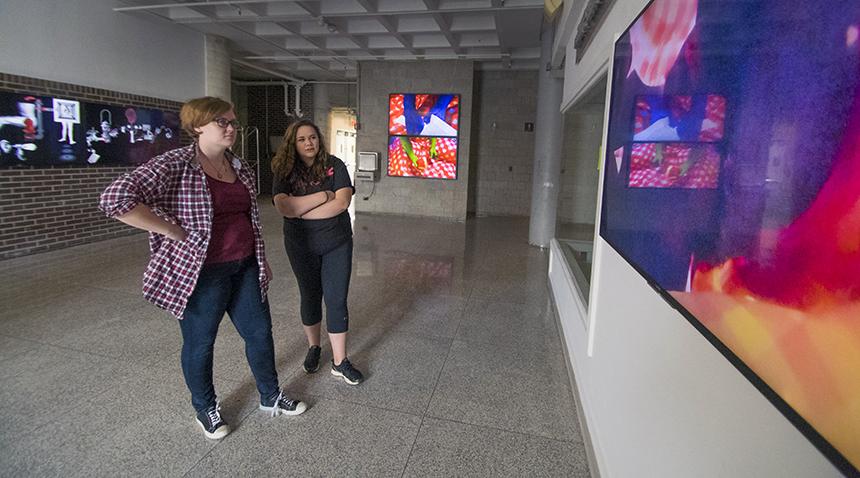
column 258, row 10
column 211, row 3
column 286, row 50
column 315, row 11
column 497, row 17
column 209, row 12
column 427, row 56
column 392, row 29
column 368, row 5
column 387, row 13
column 333, row 50
column 371, row 8
column 444, row 25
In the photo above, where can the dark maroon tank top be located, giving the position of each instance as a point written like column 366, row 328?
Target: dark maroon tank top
column 232, row 234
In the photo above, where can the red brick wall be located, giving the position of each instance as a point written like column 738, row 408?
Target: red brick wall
column 55, row 207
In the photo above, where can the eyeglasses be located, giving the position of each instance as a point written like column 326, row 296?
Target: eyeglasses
column 224, row 123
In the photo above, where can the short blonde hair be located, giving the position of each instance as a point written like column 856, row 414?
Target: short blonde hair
column 202, row 111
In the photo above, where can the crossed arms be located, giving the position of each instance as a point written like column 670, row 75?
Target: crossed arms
column 319, row 205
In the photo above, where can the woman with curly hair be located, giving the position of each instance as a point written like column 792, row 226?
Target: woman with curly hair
column 312, row 190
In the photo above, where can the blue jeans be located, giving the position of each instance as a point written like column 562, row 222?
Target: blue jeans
column 231, row 287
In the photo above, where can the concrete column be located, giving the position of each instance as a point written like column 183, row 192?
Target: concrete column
column 217, row 64
column 546, row 173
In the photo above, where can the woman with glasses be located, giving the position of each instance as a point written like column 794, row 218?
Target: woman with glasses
column 207, row 254
column 312, row 190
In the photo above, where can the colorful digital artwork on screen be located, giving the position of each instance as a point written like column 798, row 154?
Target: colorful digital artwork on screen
column 674, row 165
column 40, row 131
column 698, row 118
column 422, row 140
column 423, row 115
column 129, row 135
column 423, row 157
column 732, row 184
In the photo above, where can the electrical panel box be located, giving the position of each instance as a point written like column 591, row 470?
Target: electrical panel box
column 365, row 176
column 368, row 161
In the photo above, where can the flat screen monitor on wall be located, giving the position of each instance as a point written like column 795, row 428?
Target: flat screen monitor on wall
column 732, row 184
column 40, row 131
column 423, row 132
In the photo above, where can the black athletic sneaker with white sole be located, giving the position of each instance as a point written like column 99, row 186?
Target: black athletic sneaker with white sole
column 312, row 359
column 214, row 427
column 282, row 405
column 347, row 371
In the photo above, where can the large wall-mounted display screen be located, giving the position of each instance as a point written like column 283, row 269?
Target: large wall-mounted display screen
column 39, row 131
column 423, row 130
column 732, row 184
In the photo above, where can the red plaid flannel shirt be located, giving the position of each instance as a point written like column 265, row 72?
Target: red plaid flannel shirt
column 173, row 185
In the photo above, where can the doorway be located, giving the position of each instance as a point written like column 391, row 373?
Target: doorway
column 341, row 143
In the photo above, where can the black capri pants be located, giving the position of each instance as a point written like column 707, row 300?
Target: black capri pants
column 321, row 277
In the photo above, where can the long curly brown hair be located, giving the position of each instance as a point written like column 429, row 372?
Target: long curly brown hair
column 285, row 158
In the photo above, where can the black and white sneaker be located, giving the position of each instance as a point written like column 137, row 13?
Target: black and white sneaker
column 214, row 427
column 312, row 359
column 347, row 371
column 282, row 405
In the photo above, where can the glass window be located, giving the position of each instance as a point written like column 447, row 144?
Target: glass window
column 577, row 202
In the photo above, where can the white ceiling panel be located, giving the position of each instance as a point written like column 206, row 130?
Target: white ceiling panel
column 383, row 41
column 298, row 43
column 473, row 22
column 339, row 6
column 340, row 43
column 400, row 5
column 265, row 34
column 270, row 29
column 423, row 23
column 319, row 28
column 363, row 26
column 479, row 39
column 284, row 8
column 232, row 11
column 177, row 13
column 429, row 40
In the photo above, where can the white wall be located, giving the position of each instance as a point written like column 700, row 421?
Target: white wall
column 85, row 42
column 658, row 399
column 579, row 77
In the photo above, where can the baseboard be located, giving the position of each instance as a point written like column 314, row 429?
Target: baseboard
column 593, row 469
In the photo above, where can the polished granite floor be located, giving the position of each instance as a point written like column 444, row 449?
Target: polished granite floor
column 450, row 322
